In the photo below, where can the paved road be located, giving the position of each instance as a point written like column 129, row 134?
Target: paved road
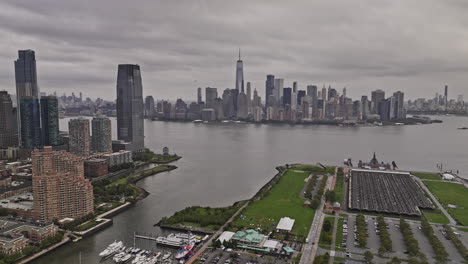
column 442, row 209
column 310, row 249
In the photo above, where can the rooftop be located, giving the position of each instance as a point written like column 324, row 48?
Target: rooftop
column 286, row 224
column 22, row 201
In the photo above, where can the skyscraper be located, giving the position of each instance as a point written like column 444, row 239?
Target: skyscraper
column 50, row 120
column 287, row 96
column 242, row 110
column 60, row 189
column 79, row 136
column 101, row 140
column 279, row 85
column 26, row 82
column 8, row 126
column 377, row 96
column 446, row 97
column 399, row 109
column 30, row 118
column 211, row 94
column 149, row 106
column 130, row 123
column 269, row 88
column 199, row 95
column 240, row 75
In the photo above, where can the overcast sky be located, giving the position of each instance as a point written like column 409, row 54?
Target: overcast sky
column 413, row 46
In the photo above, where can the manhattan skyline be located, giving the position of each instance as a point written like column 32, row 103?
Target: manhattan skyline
column 363, row 46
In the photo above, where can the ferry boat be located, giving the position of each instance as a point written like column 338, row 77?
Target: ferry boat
column 186, row 250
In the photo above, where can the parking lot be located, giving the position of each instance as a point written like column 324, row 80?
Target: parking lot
column 373, row 240
column 238, row 257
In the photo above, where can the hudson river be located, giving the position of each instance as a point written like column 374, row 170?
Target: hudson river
column 224, row 163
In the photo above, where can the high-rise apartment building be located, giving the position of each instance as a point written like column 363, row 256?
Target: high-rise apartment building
column 130, row 123
column 50, row 120
column 30, row 118
column 26, row 84
column 8, row 126
column 240, row 75
column 101, row 140
column 287, row 96
column 79, row 136
column 60, row 189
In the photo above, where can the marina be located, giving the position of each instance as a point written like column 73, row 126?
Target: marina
column 185, row 243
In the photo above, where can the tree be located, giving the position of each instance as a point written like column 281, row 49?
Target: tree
column 394, row 260
column 368, row 256
column 327, row 225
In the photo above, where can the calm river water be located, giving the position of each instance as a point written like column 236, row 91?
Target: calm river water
column 224, row 163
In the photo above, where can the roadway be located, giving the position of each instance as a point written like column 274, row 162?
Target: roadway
column 310, row 248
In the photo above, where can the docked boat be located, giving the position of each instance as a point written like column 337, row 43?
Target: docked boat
column 111, row 249
column 171, row 241
column 185, row 251
column 153, row 259
column 166, row 256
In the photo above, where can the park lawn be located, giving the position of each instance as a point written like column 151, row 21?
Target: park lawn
column 339, row 232
column 451, row 193
column 339, row 188
column 326, row 237
column 87, row 226
column 427, row 176
column 435, row 217
column 282, row 200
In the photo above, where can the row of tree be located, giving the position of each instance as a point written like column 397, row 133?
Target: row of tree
column 122, row 166
column 411, row 243
column 441, row 254
column 203, row 216
column 310, row 187
column 361, row 230
column 385, row 239
column 456, row 241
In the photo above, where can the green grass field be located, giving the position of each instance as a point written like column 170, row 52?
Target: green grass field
column 435, row 217
column 339, row 232
column 282, row 200
column 427, row 176
column 339, row 188
column 451, row 193
column 326, row 236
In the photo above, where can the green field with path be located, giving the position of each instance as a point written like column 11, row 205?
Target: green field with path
column 282, row 200
column 451, row 193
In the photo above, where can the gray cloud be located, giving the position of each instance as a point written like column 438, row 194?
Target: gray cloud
column 414, row 46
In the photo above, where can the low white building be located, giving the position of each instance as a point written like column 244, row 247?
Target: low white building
column 285, row 224
column 226, row 236
column 448, row 177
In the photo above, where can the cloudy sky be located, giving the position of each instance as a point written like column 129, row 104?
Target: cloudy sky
column 408, row 45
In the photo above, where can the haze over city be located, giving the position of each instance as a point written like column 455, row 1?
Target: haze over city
column 416, row 47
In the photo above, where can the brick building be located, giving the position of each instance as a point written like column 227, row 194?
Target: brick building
column 59, row 187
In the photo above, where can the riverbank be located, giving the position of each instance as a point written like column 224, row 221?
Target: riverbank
column 351, row 123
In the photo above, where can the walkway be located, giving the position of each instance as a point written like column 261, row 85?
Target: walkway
column 442, row 209
column 65, row 240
